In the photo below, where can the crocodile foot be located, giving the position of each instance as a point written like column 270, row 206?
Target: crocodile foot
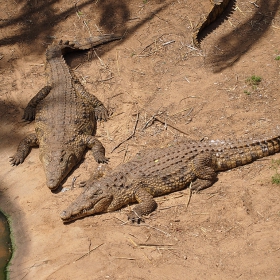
column 29, row 113
column 16, row 159
column 134, row 217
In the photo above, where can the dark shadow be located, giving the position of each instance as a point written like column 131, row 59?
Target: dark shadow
column 9, row 114
column 232, row 46
column 114, row 15
column 36, row 18
column 75, row 58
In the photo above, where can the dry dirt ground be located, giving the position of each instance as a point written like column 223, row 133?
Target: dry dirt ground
column 229, row 231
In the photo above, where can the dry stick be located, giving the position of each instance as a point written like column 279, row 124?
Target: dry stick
column 151, row 43
column 166, row 233
column 85, row 23
column 154, row 245
column 169, row 42
column 89, row 251
column 100, row 60
column 190, row 195
column 125, row 152
column 124, row 258
column 130, row 136
column 115, row 95
column 166, row 123
column 108, row 79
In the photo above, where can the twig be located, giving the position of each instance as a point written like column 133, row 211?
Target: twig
column 86, row 254
column 166, row 233
column 166, row 123
column 117, row 59
column 89, row 245
column 130, row 136
column 119, row 219
column 154, row 245
column 150, row 120
column 151, row 44
column 169, row 42
column 101, row 62
column 124, row 258
column 98, row 29
column 85, row 23
column 135, row 244
column 104, row 80
column 190, row 195
column 125, row 152
column 115, row 95
column 254, row 3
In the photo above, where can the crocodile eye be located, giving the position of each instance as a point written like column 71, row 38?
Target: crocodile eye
column 98, row 192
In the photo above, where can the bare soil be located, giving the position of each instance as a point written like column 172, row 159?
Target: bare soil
column 229, row 231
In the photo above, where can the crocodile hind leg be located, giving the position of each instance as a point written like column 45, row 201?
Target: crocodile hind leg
column 24, row 148
column 96, row 147
column 100, row 111
column 205, row 173
column 30, row 110
column 146, row 205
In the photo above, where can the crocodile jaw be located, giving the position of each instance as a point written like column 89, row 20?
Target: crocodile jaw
column 57, row 165
column 88, row 203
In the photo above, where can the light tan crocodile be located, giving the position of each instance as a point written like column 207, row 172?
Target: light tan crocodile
column 65, row 116
column 161, row 171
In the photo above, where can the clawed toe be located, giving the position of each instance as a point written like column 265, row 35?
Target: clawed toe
column 135, row 218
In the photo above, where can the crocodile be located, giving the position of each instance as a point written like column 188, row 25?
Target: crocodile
column 218, row 7
column 65, row 116
column 160, row 171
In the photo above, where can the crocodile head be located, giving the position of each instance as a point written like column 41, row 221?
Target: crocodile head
column 57, row 165
column 95, row 199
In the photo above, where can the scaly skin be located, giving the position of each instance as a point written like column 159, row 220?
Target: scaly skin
column 216, row 10
column 65, row 117
column 161, row 171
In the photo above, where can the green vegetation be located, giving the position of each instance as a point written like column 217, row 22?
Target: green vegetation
column 277, row 57
column 254, row 80
column 276, row 177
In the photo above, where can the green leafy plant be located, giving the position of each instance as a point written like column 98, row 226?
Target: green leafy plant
column 277, row 57
column 254, row 80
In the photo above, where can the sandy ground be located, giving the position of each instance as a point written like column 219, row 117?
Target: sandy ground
column 229, row 231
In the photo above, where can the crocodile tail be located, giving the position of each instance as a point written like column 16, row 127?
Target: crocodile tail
column 219, row 6
column 59, row 48
column 245, row 152
column 91, row 42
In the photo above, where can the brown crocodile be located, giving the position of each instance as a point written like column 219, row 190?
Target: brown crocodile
column 65, row 116
column 217, row 9
column 157, row 172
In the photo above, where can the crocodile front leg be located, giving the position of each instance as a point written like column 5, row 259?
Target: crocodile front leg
column 96, row 147
column 146, row 205
column 30, row 110
column 24, row 148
